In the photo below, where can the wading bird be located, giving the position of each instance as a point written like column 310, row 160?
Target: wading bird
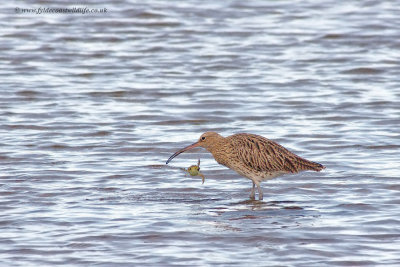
column 252, row 156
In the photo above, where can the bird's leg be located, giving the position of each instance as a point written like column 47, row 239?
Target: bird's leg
column 252, row 194
column 260, row 192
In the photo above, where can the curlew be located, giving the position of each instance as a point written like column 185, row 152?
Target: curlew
column 252, row 156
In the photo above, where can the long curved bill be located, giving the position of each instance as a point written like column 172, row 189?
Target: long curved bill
column 182, row 150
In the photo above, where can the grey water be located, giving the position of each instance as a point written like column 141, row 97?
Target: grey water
column 92, row 105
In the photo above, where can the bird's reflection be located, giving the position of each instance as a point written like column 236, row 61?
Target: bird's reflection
column 267, row 205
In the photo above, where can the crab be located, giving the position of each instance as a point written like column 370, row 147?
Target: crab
column 194, row 170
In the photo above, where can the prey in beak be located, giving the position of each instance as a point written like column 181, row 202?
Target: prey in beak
column 194, row 170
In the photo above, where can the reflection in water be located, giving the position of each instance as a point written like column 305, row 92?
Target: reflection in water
column 252, row 217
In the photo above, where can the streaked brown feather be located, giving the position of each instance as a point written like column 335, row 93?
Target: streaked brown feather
column 264, row 155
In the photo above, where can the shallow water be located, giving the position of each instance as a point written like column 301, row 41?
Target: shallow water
column 93, row 105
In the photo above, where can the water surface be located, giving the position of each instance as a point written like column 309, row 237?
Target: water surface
column 93, row 105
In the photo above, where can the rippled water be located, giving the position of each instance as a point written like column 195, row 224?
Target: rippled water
column 92, row 106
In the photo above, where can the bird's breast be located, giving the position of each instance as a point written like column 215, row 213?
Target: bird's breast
column 221, row 156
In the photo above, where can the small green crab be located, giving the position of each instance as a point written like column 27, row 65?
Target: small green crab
column 194, row 170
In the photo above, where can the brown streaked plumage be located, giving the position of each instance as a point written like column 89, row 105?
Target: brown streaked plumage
column 252, row 156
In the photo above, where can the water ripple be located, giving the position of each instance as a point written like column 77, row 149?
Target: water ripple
column 93, row 105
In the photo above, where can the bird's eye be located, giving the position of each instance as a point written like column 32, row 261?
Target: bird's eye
column 203, row 138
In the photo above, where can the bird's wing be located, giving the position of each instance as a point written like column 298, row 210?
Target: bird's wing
column 262, row 154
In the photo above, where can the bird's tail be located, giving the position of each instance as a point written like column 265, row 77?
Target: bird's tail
column 309, row 165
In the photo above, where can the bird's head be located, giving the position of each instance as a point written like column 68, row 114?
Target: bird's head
column 207, row 140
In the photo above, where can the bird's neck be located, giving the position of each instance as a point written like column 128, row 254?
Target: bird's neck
column 219, row 151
